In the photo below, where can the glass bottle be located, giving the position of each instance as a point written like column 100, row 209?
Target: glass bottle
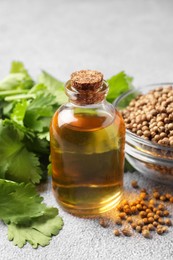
column 87, row 137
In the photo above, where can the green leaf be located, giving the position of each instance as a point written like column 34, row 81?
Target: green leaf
column 17, row 79
column 24, row 166
column 17, row 163
column 39, row 232
column 38, row 89
column 55, row 86
column 19, row 111
column 118, row 84
column 18, row 67
column 50, row 81
column 19, row 97
column 19, row 203
column 5, row 93
column 39, row 112
column 12, row 81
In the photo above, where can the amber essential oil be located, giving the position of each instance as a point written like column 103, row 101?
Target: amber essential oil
column 87, row 154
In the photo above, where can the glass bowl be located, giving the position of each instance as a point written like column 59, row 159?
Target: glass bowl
column 151, row 159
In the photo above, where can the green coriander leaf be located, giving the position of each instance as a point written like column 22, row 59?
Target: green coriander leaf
column 50, row 81
column 18, row 67
column 19, row 203
column 39, row 232
column 17, row 163
column 12, row 81
column 19, row 111
column 5, row 93
column 24, row 166
column 39, row 112
column 118, row 84
column 38, row 88
column 44, row 135
column 55, row 86
column 19, row 97
column 10, row 141
column 17, row 79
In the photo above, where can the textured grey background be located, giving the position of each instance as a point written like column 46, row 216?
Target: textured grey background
column 110, row 36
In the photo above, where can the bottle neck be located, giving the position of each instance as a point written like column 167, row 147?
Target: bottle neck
column 86, row 97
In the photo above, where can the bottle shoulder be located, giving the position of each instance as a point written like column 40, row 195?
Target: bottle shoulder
column 86, row 118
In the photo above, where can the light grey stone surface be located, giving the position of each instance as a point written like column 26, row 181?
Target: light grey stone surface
column 110, row 36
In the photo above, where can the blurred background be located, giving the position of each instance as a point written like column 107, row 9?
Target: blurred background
column 62, row 36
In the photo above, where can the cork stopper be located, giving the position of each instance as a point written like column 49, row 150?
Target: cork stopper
column 83, row 80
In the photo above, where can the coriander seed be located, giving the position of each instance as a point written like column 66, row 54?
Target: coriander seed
column 146, row 233
column 126, row 232
column 116, row 232
column 103, row 223
column 134, row 184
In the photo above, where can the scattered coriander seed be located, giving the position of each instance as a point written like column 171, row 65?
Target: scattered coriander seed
column 145, row 227
column 148, row 211
column 144, row 207
column 166, row 213
column 132, row 204
column 139, row 207
column 156, row 195
column 171, row 199
column 152, row 201
column 103, row 223
column 168, row 196
column 155, row 224
column 143, row 214
column 165, row 229
column 159, row 226
column 160, row 213
column 118, row 221
column 140, row 223
column 128, row 211
column 163, row 198
column 116, row 232
column 168, row 222
column 122, row 215
column 145, row 220
column 124, row 202
column 143, row 203
column 129, row 219
column 138, row 229
column 161, row 207
column 151, row 207
column 143, row 195
column 155, row 210
column 146, row 233
column 126, row 207
column 120, row 207
column 151, row 227
column 134, row 184
column 150, row 214
column 161, row 221
column 159, row 230
column 150, row 220
column 133, row 225
column 126, row 232
column 133, row 209
column 156, row 217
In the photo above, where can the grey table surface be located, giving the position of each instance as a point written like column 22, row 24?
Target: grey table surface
column 110, row 36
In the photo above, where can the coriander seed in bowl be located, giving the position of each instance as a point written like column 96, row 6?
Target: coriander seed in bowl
column 148, row 115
